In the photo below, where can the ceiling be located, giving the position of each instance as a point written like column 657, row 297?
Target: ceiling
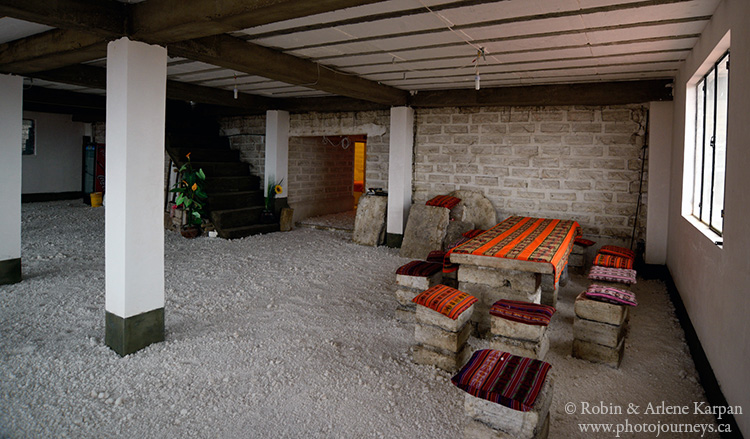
column 383, row 52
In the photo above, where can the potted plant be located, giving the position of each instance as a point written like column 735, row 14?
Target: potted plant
column 272, row 190
column 191, row 197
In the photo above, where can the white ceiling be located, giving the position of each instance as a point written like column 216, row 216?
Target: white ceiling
column 403, row 44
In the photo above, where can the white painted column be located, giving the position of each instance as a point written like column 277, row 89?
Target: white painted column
column 659, row 176
column 400, row 164
column 277, row 151
column 11, row 116
column 134, row 250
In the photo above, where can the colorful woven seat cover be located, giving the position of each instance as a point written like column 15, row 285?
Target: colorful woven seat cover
column 444, row 201
column 448, row 266
column 523, row 312
column 617, row 251
column 419, row 268
column 583, row 242
column 621, row 275
column 503, row 378
column 606, row 260
column 611, row 295
column 436, row 256
column 473, row 233
column 445, row 300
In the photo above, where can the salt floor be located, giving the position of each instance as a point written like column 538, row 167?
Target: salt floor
column 285, row 335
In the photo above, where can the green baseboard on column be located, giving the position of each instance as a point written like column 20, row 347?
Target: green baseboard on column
column 128, row 335
column 393, row 240
column 10, row 271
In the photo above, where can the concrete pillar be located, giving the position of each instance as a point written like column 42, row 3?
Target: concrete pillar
column 659, row 176
column 277, row 153
column 400, row 164
column 11, row 116
column 134, row 217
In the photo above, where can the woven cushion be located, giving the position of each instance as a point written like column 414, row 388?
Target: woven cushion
column 472, row 233
column 523, row 312
column 445, row 300
column 617, row 251
column 613, row 261
column 444, row 201
column 503, row 378
column 436, row 256
column 621, row 275
column 583, row 242
column 611, row 295
column 419, row 268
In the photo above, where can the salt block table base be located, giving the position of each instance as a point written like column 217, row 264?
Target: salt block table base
column 599, row 331
column 519, row 338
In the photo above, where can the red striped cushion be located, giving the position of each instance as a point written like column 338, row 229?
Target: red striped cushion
column 445, row 300
column 472, row 233
column 523, row 312
column 617, row 251
column 583, row 242
column 503, row 378
column 436, row 256
column 605, row 260
column 444, row 201
column 419, row 268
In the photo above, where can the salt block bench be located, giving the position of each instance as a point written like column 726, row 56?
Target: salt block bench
column 413, row 278
column 507, row 396
column 600, row 324
column 520, row 328
column 442, row 327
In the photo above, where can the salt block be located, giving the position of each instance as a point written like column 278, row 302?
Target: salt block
column 405, row 297
column 427, row 316
column 451, row 279
column 455, row 231
column 479, row 430
column 286, row 219
column 576, row 260
column 597, row 353
column 369, row 224
column 550, row 288
column 515, row 423
column 517, row 330
column 523, row 348
column 474, row 207
column 436, row 337
column 419, row 282
column 597, row 311
column 597, row 332
column 488, row 295
column 425, row 230
column 405, row 315
column 448, row 361
column 522, row 281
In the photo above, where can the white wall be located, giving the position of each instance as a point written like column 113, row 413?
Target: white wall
column 56, row 166
column 714, row 282
column 659, row 158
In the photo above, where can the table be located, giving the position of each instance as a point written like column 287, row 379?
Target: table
column 521, row 258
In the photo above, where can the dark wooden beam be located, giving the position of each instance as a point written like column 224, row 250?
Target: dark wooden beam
column 50, row 50
column 331, row 104
column 96, row 77
column 40, row 96
column 597, row 93
column 236, row 54
column 105, row 18
column 166, row 21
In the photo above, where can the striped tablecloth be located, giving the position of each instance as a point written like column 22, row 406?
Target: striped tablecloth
column 526, row 239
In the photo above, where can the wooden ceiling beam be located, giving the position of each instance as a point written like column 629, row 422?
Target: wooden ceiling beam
column 233, row 53
column 166, row 21
column 106, row 18
column 50, row 50
column 597, row 93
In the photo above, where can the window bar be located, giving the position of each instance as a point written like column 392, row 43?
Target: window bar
column 713, row 145
column 703, row 148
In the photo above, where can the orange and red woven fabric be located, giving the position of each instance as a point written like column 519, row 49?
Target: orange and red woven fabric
column 444, row 201
column 527, row 239
column 500, row 377
column 617, row 251
column 445, row 300
column 523, row 312
column 605, row 260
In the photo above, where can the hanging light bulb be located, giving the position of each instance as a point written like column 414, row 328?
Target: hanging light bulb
column 476, row 82
column 236, row 92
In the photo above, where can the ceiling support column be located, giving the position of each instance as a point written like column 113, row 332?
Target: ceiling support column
column 134, row 217
column 400, row 164
column 11, row 116
column 277, row 154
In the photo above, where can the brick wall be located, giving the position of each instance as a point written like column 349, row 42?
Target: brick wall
column 577, row 163
column 248, row 136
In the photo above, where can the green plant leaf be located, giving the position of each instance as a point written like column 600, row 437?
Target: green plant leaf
column 179, row 200
column 200, row 174
column 188, row 202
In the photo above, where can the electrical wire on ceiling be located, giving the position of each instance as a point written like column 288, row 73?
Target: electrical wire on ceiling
column 344, row 143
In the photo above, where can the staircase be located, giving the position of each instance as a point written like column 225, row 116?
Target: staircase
column 235, row 199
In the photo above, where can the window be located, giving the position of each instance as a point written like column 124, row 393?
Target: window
column 709, row 162
column 28, row 137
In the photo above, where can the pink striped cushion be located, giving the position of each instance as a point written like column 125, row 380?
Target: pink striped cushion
column 611, row 295
column 621, row 275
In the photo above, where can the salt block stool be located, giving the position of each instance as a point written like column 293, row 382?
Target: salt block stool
column 442, row 327
column 412, row 279
column 520, row 328
column 600, row 324
column 511, row 404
